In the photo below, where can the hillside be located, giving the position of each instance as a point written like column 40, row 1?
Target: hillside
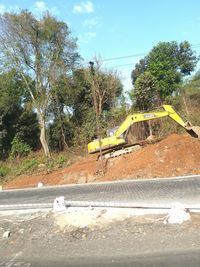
column 173, row 156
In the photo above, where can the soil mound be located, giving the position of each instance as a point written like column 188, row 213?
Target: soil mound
column 176, row 155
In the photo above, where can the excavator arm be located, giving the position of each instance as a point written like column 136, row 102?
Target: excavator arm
column 119, row 135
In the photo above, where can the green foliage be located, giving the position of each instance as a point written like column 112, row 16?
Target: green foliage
column 140, row 68
column 190, row 99
column 27, row 128
column 168, row 62
column 19, row 148
column 14, row 116
column 108, row 90
column 4, row 170
column 27, row 166
column 145, row 91
column 42, row 48
column 60, row 134
column 57, row 162
column 85, row 131
column 116, row 115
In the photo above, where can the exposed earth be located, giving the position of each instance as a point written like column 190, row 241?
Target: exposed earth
column 176, row 155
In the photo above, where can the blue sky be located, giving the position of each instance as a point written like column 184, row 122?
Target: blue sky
column 117, row 28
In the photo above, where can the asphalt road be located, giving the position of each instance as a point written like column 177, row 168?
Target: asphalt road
column 144, row 193
column 189, row 258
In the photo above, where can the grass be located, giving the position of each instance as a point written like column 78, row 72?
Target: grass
column 34, row 163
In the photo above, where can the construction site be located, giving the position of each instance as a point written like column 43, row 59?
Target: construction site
column 99, row 133
column 175, row 155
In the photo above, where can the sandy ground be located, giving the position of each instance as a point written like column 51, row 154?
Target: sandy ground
column 176, row 155
column 86, row 233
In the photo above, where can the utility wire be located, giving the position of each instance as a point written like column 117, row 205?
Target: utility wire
column 130, row 56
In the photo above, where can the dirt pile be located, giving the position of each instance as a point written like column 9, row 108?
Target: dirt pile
column 175, row 155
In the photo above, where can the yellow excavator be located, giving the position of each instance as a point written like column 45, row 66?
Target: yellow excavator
column 116, row 141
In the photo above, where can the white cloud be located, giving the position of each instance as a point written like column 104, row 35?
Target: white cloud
column 83, row 7
column 91, row 23
column 91, row 34
column 86, row 37
column 40, row 7
column 11, row 8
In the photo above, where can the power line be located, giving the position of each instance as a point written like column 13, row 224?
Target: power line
column 122, row 57
column 123, row 65
column 118, row 58
column 130, row 56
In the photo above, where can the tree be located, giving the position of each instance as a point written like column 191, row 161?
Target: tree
column 190, row 97
column 108, row 89
column 107, row 86
column 145, row 92
column 60, row 133
column 41, row 50
column 15, row 117
column 140, row 68
column 168, row 62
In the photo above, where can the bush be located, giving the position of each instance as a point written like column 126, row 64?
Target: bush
column 3, row 170
column 27, row 166
column 19, row 148
column 57, row 162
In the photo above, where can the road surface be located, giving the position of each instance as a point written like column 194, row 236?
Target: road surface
column 139, row 193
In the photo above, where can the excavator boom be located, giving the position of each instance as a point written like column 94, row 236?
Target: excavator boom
column 119, row 136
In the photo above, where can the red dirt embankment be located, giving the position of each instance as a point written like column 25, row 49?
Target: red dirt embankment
column 175, row 155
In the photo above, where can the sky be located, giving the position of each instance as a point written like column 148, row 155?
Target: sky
column 110, row 29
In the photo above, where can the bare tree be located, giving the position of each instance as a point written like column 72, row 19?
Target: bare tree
column 41, row 50
column 104, row 85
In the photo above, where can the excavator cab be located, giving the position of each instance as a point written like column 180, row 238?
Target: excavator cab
column 111, row 132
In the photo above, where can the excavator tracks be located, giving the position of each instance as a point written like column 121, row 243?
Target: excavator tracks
column 126, row 150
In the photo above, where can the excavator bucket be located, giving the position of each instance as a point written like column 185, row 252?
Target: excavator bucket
column 194, row 131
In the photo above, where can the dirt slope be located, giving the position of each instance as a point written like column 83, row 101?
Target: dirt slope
column 175, row 155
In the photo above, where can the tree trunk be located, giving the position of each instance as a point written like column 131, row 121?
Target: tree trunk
column 43, row 137
column 150, row 129
column 185, row 103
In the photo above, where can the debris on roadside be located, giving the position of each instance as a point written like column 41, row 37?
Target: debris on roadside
column 40, row 184
column 177, row 214
column 59, row 204
column 6, row 234
column 21, row 231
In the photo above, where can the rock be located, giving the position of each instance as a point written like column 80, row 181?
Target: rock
column 6, row 234
column 40, row 184
column 151, row 138
column 41, row 166
column 21, row 231
column 59, row 204
column 82, row 180
column 177, row 214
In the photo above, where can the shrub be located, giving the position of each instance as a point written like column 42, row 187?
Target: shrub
column 27, row 166
column 3, row 170
column 19, row 148
column 57, row 162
